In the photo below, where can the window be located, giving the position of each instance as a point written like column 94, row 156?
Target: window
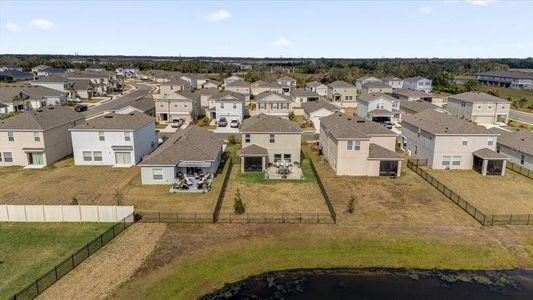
column 522, row 159
column 175, row 105
column 101, row 136
column 465, row 141
column 277, row 158
column 456, row 161
column 446, row 160
column 234, row 105
column 87, row 156
column 127, row 136
column 490, row 141
column 489, row 106
column 157, row 174
column 479, row 107
column 418, row 133
column 161, row 105
column 287, row 157
column 272, row 138
column 10, row 136
column 222, row 105
column 122, row 158
column 8, row 157
column 498, row 148
column 36, row 137
column 97, row 155
column 463, row 104
column 353, row 145
column 503, row 106
column 247, row 138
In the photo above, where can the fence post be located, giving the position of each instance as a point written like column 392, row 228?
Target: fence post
column 492, row 220
column 511, row 219
column 55, row 271
column 159, row 217
column 528, row 216
column 37, row 286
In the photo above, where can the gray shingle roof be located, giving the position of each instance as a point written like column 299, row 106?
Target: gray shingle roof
column 286, row 78
column 303, row 93
column 228, row 96
column 380, row 153
column 410, row 93
column 279, row 98
column 34, row 92
column 253, row 150
column 144, row 104
column 476, row 97
column 191, row 144
column 41, row 119
column 342, row 126
column 519, row 140
column 376, row 84
column 175, row 81
column 16, row 75
column 131, row 121
column 443, row 124
column 486, row 153
column 314, row 83
column 417, row 106
column 313, row 106
column 269, row 124
column 341, row 84
column 373, row 96
column 239, row 83
column 390, row 78
column 507, row 74
column 53, row 78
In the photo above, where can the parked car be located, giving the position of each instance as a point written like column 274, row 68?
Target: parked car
column 80, row 107
column 234, row 124
column 222, row 122
column 176, row 123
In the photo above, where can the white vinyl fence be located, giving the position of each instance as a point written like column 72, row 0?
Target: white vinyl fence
column 65, row 213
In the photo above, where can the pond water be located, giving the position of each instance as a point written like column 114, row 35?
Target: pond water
column 382, row 284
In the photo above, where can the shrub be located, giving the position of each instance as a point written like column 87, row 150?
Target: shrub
column 351, row 205
column 203, row 122
column 118, row 196
column 232, row 140
column 316, row 136
column 74, row 200
column 239, row 207
column 291, row 116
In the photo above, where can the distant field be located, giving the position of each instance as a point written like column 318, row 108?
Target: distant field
column 27, row 250
column 515, row 96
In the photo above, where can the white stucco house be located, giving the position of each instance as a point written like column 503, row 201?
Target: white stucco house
column 317, row 87
column 418, row 84
column 119, row 140
column 228, row 105
column 378, row 107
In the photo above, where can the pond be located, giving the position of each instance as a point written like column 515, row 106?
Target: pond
column 382, row 284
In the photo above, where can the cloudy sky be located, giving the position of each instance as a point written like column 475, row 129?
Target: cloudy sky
column 478, row 28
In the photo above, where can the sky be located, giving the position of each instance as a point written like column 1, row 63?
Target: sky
column 332, row 29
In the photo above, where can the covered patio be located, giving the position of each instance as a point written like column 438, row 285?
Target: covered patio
column 489, row 162
column 253, row 158
column 390, row 162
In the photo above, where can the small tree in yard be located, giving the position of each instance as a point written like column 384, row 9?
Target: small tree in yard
column 232, row 140
column 291, row 116
column 74, row 200
column 118, row 196
column 351, row 205
column 239, row 207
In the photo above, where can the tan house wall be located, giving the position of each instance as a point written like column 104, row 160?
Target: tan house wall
column 285, row 143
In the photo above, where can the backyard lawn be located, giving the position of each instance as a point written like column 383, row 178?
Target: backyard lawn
column 28, row 250
column 490, row 194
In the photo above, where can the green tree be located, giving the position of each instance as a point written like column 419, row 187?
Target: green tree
column 238, row 206
column 472, row 85
column 232, row 140
column 494, row 92
column 351, row 205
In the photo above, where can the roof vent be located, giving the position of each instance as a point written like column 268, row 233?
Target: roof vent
column 131, row 114
column 360, row 121
column 108, row 117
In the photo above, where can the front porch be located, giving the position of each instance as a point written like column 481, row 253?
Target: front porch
column 488, row 162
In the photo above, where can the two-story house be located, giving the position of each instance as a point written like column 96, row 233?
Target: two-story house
column 172, row 86
column 27, row 97
column 211, row 84
column 517, row 145
column 315, row 110
column 287, row 81
column 274, row 104
column 269, row 139
column 227, row 105
column 478, row 107
column 37, row 138
column 341, row 91
column 443, row 141
column 300, row 96
column 183, row 104
column 360, row 81
column 232, row 79
column 392, row 81
column 376, row 87
column 259, row 87
column 357, row 147
column 317, row 87
column 240, row 87
column 378, row 107
column 119, row 140
column 195, row 81
column 418, row 84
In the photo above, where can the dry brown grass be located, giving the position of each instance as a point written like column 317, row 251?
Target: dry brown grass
column 509, row 194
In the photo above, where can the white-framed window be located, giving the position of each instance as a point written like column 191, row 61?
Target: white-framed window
column 222, row 105
column 127, row 136
column 247, row 138
column 101, row 136
column 8, row 157
column 97, row 155
column 10, row 136
column 446, row 160
column 157, row 174
column 490, row 141
column 479, row 107
column 36, row 137
column 87, row 156
column 122, row 158
column 277, row 158
column 465, row 141
column 456, row 161
column 353, row 145
column 287, row 157
column 272, row 138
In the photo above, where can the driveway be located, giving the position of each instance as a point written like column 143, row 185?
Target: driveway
column 141, row 91
column 521, row 116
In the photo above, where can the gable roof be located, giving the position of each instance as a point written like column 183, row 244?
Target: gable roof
column 238, row 83
column 518, row 140
column 411, row 93
column 374, row 96
column 16, row 74
column 312, row 106
column 194, row 76
column 253, row 150
column 184, row 95
column 342, row 126
column 341, row 84
column 314, row 84
column 476, row 97
column 507, row 74
column 303, row 93
column 286, row 78
column 378, row 152
column 444, row 124
column 269, row 124
column 228, row 96
column 262, row 97
column 390, row 78
column 33, row 91
column 417, row 105
column 113, row 121
column 41, row 119
column 376, row 84
column 143, row 104
column 486, row 153
column 191, row 144
column 53, row 78
column 175, row 81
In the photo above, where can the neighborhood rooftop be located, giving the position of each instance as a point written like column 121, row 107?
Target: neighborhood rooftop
column 518, row 140
column 410, row 93
column 269, row 124
column 373, row 96
column 41, row 119
column 312, row 106
column 342, row 126
column 442, row 124
column 35, row 92
column 304, row 93
column 476, row 97
column 340, row 84
column 507, row 74
column 376, row 84
column 131, row 121
column 417, row 105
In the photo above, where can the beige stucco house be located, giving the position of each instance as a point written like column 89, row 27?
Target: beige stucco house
column 260, row 87
column 478, row 107
column 273, row 104
column 376, row 87
column 300, row 96
column 357, row 147
column 239, row 86
column 443, row 141
column 183, row 104
column 315, row 110
column 341, row 91
column 37, row 138
column 170, row 87
column 517, row 145
column 317, row 87
column 269, row 139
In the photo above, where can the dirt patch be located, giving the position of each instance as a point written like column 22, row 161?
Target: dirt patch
column 113, row 265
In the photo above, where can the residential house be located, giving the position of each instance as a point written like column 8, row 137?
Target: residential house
column 127, row 71
column 378, row 107
column 408, row 108
column 232, row 79
column 418, row 84
column 508, row 79
column 10, row 67
column 478, row 107
column 376, row 87
column 27, row 97
column 357, row 147
column 211, row 84
column 182, row 104
column 315, row 110
column 392, row 81
column 317, row 87
column 37, row 138
column 188, row 152
column 38, row 68
column 195, row 81
column 274, row 104
column 50, row 71
column 259, row 87
column 443, row 141
column 144, row 105
column 240, row 87
column 205, row 95
column 341, row 91
column 517, row 146
column 14, row 75
column 172, row 86
column 300, row 96
column 411, row 95
column 228, row 105
column 287, row 81
column 360, row 81
column 58, row 83
column 269, row 139
column 119, row 140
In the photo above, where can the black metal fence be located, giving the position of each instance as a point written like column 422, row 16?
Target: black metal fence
column 519, row 169
column 289, row 218
column 483, row 218
column 324, row 192
column 175, row 217
column 49, row 278
column 222, row 192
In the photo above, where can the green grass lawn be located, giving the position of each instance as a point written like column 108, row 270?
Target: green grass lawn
column 28, row 250
column 514, row 95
